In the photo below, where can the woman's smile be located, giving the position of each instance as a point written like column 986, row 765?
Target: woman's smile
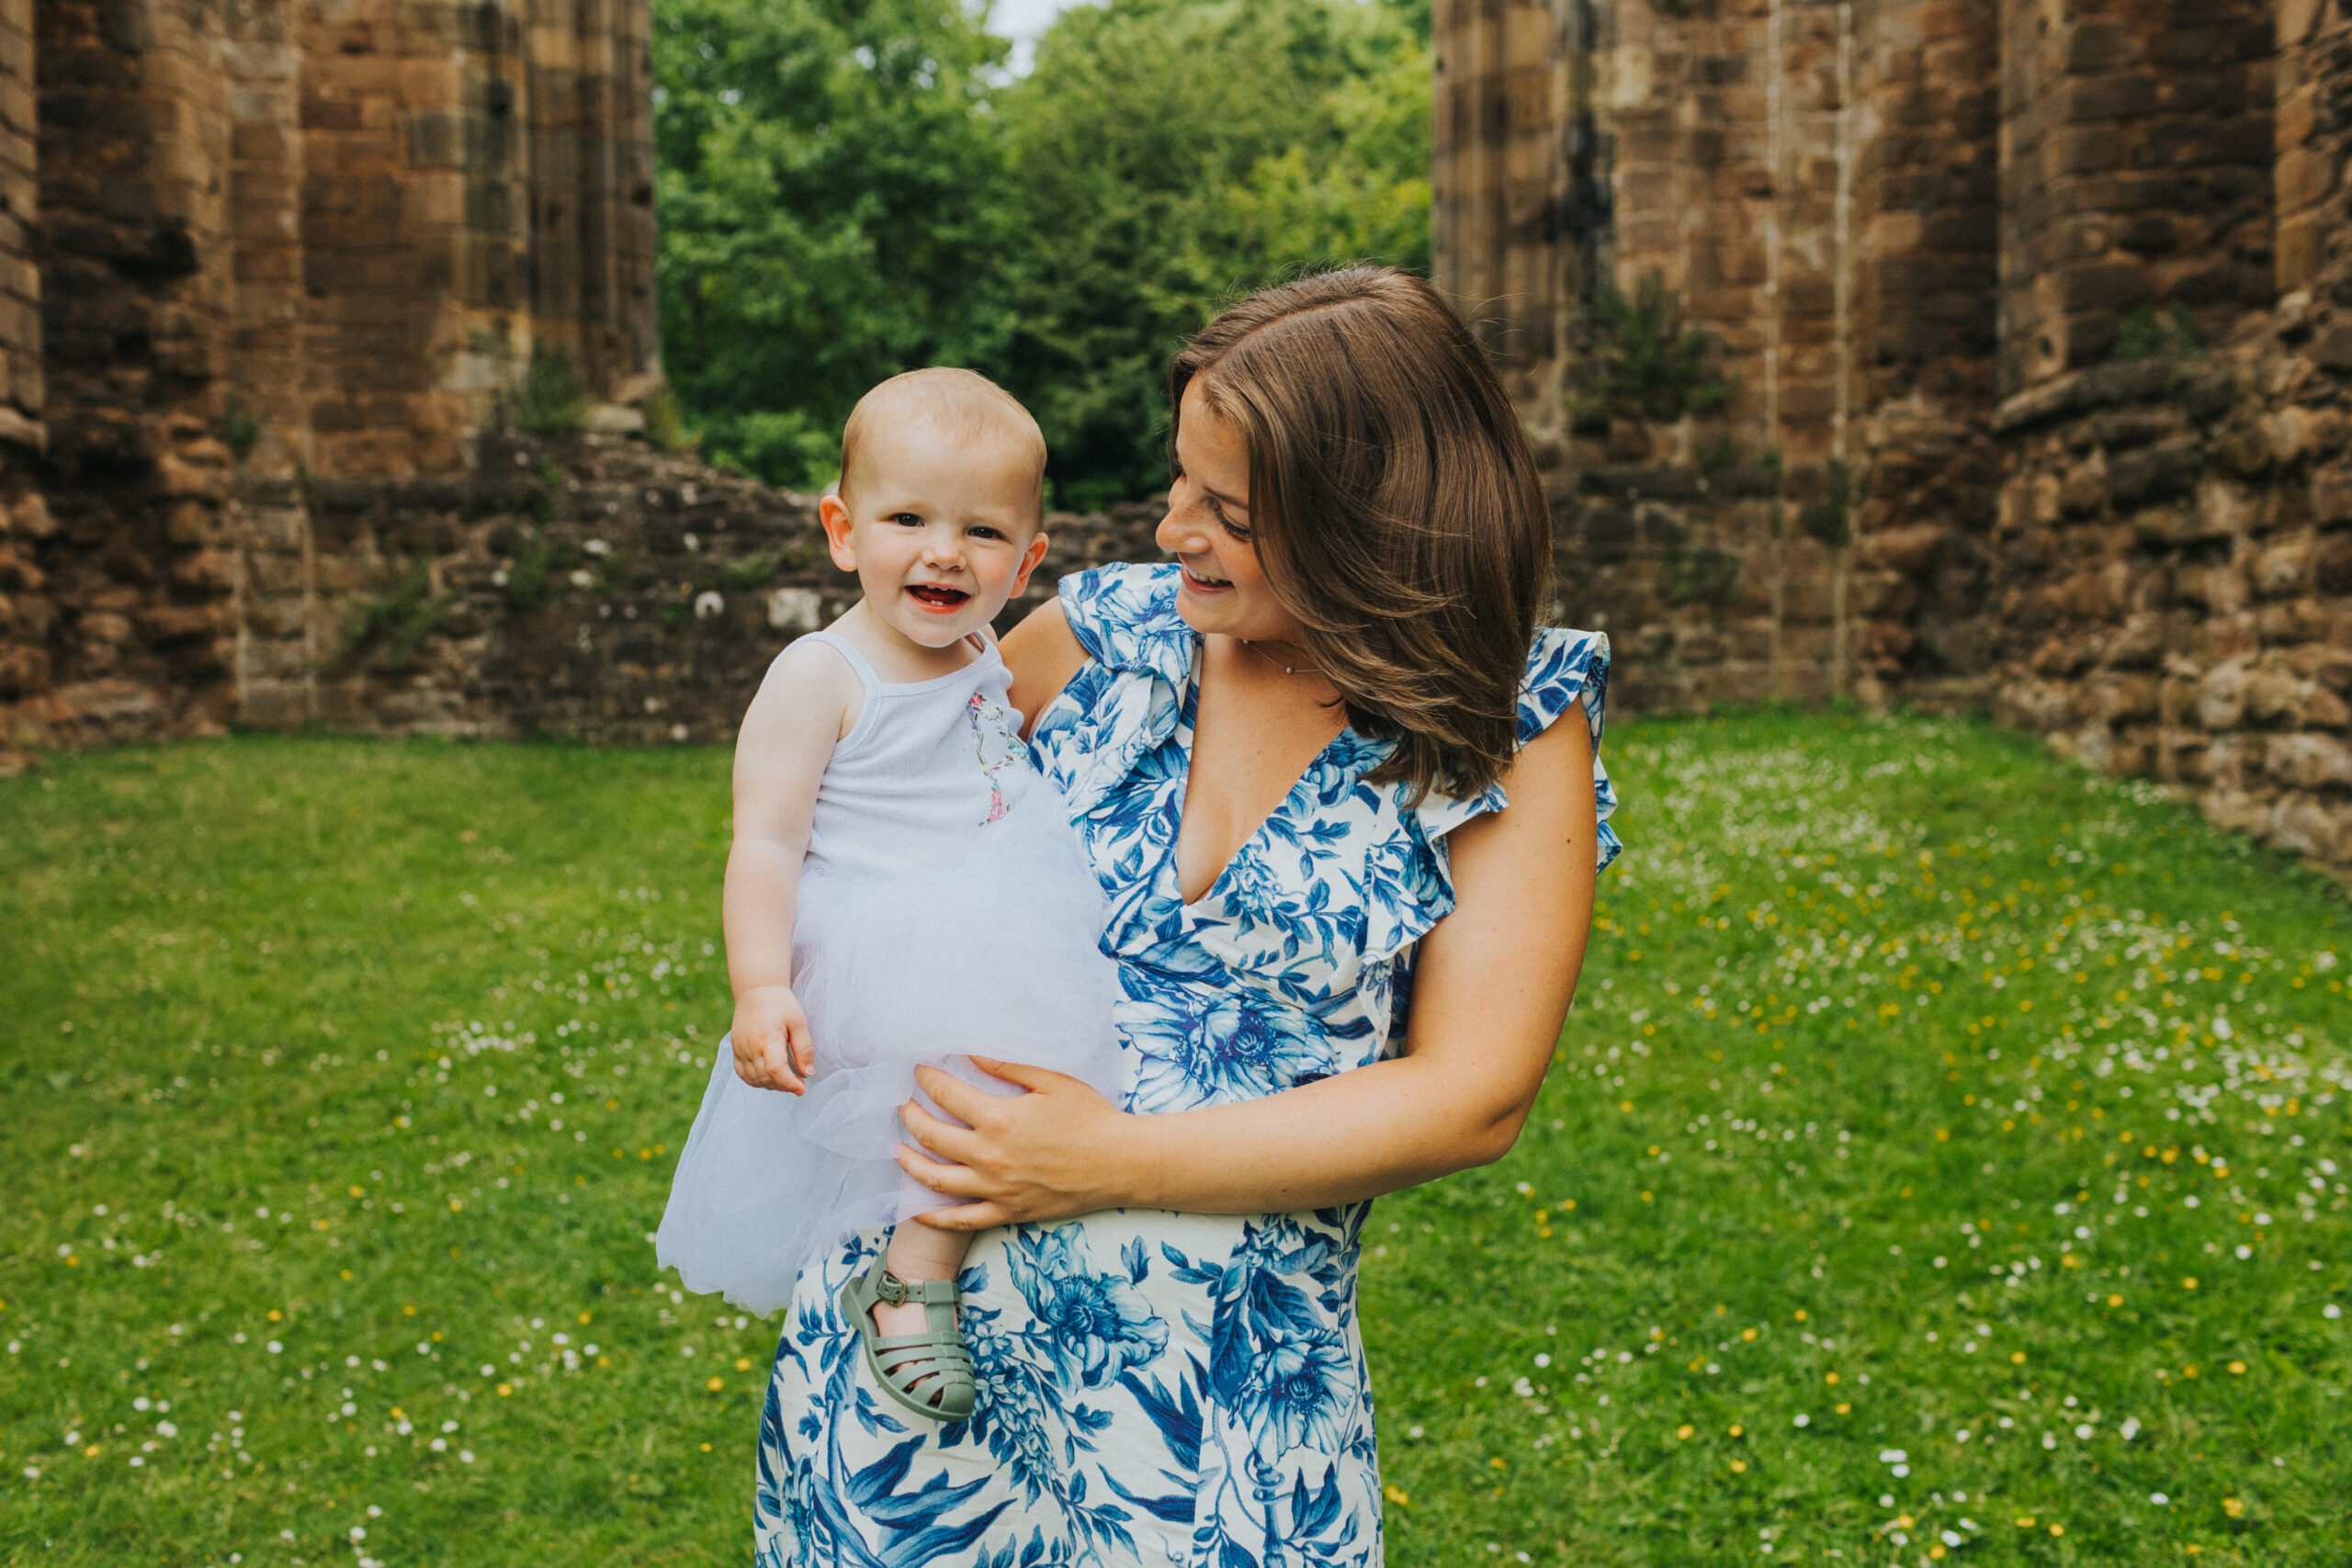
column 1201, row 580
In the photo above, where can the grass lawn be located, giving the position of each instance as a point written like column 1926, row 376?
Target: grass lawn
column 1942, row 1163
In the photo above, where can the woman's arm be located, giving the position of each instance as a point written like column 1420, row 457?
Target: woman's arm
column 1491, row 988
column 1043, row 654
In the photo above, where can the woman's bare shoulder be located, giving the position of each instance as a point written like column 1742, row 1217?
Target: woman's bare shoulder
column 1043, row 654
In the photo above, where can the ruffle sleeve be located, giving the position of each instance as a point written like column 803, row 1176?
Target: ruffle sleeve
column 1123, row 705
column 1565, row 669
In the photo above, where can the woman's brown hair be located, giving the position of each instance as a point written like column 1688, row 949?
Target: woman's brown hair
column 1394, row 506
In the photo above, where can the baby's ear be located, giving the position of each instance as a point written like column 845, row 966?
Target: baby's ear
column 1029, row 559
column 832, row 515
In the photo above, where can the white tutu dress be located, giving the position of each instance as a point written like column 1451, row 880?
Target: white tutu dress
column 944, row 907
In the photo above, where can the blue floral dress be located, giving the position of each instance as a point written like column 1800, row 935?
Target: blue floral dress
column 1156, row 1387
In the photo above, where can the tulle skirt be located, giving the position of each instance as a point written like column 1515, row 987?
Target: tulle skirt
column 996, row 956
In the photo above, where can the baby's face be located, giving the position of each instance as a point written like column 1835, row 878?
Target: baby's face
column 941, row 533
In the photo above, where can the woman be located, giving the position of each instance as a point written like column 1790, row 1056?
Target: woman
column 1316, row 768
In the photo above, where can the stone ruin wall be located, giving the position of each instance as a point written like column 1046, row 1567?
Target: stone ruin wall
column 2025, row 309
column 1812, row 185
column 26, row 612
column 273, row 277
column 2175, row 535
column 2025, row 387
column 595, row 589
column 258, row 251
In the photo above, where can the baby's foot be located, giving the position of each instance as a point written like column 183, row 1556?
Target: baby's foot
column 907, row 1317
column 930, row 1370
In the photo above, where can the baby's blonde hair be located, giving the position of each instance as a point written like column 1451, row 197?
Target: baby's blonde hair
column 964, row 405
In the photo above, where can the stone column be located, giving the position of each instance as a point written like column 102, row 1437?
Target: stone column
column 592, row 190
column 133, row 140
column 1497, row 218
column 2136, row 148
column 26, row 611
column 2313, row 136
column 1924, row 323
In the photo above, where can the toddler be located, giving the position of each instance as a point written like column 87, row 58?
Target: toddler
column 904, row 886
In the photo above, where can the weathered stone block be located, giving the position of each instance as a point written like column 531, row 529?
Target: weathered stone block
column 273, row 704
column 2323, row 709
column 2125, row 698
column 2154, row 472
column 165, row 624
column 2084, row 491
column 2282, row 569
column 2273, row 697
column 2306, row 826
column 30, row 517
column 205, row 571
column 24, row 670
column 2140, row 645
column 2221, row 589
column 2331, row 564
column 2308, row 762
column 2285, row 622
column 2221, row 697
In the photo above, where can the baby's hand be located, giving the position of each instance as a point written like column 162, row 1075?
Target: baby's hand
column 772, row 1045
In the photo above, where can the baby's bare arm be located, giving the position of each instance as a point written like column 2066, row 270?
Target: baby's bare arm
column 806, row 704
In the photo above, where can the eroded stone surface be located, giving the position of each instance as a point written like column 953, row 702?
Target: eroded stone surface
column 2053, row 297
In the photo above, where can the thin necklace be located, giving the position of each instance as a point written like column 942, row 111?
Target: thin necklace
column 1277, row 663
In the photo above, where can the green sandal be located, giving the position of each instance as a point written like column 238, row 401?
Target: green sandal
column 929, row 1373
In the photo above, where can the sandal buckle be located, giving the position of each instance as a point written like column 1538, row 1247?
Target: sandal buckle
column 891, row 1290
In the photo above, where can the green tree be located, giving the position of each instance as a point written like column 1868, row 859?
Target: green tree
column 832, row 202
column 1170, row 154
column 851, row 187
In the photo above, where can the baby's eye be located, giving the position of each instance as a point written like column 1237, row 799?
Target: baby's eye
column 984, row 532
column 906, row 519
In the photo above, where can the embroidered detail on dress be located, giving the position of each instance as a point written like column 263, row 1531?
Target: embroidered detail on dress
column 989, row 722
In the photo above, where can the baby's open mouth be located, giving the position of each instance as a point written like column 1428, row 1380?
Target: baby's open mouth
column 936, row 595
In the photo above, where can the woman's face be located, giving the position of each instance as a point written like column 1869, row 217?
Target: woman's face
column 1207, row 530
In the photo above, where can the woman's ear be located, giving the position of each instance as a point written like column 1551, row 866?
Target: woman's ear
column 833, row 517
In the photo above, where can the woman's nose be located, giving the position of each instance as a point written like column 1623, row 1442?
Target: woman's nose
column 1175, row 536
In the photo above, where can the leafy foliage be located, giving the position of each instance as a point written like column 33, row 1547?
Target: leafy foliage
column 391, row 626
column 1829, row 516
column 830, row 189
column 849, row 190
column 1647, row 362
column 1173, row 154
column 665, row 421
column 1707, row 575
column 2144, row 334
column 555, row 400
column 241, row 427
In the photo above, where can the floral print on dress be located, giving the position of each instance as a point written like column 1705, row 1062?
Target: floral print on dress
column 1162, row 1388
column 996, row 739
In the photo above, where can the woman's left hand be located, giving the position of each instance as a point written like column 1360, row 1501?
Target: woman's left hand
column 1060, row 1150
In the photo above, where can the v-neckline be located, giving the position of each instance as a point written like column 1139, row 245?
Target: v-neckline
column 1187, row 730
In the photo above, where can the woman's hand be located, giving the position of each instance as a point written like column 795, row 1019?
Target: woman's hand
column 1060, row 1150
column 773, row 1049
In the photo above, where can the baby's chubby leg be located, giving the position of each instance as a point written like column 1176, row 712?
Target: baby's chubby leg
column 918, row 1252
